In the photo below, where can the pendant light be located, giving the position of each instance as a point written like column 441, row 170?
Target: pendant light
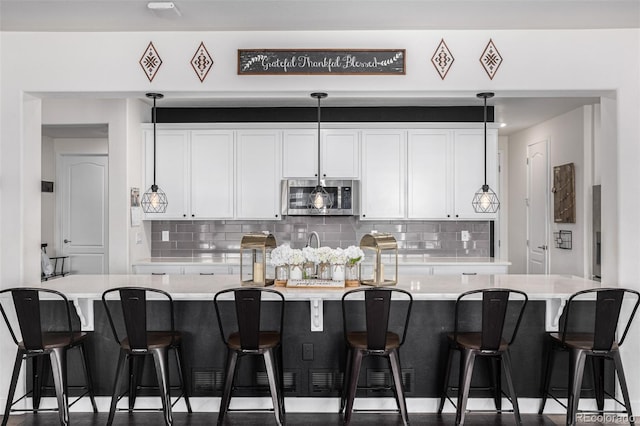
column 485, row 200
column 154, row 200
column 319, row 198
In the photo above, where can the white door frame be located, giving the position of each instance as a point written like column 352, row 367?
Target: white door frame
column 544, row 252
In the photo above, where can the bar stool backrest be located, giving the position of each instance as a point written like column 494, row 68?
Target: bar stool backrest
column 26, row 304
column 377, row 306
column 133, row 309
column 495, row 305
column 248, row 314
column 608, row 307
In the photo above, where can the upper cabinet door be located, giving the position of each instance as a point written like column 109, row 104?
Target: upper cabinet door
column 258, row 174
column 429, row 177
column 212, row 177
column 469, row 169
column 172, row 168
column 340, row 154
column 383, row 174
column 300, row 154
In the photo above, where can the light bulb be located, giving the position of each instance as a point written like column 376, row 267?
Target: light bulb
column 318, row 201
column 485, row 200
column 154, row 200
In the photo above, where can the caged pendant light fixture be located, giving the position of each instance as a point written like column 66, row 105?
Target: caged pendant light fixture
column 154, row 200
column 319, row 198
column 485, row 200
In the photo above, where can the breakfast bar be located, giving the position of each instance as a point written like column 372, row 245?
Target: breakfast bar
column 313, row 343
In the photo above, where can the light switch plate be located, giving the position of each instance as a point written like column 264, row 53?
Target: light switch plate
column 165, row 235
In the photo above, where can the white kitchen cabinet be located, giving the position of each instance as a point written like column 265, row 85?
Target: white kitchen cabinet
column 258, row 174
column 383, row 174
column 212, row 174
column 468, row 177
column 172, row 170
column 445, row 169
column 429, row 174
column 339, row 151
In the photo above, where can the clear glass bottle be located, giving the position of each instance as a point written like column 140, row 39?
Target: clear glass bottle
column 352, row 275
column 324, row 271
column 282, row 275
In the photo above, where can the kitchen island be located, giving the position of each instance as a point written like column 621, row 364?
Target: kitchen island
column 317, row 371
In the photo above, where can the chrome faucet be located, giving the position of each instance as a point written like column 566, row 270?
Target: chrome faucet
column 311, row 235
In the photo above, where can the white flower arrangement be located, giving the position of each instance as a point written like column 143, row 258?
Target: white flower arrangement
column 323, row 254
column 280, row 255
column 338, row 256
column 354, row 255
column 310, row 254
column 296, row 257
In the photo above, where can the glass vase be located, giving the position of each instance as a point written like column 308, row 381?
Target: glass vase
column 337, row 272
column 352, row 275
column 324, row 271
column 295, row 272
column 282, row 275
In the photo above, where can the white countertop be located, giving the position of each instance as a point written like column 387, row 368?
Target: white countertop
column 408, row 260
column 83, row 290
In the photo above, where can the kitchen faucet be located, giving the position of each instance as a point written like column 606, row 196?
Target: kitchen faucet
column 312, row 234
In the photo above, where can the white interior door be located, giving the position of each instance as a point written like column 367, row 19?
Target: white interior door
column 538, row 208
column 83, row 212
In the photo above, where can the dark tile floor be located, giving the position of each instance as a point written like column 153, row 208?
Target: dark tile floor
column 293, row 419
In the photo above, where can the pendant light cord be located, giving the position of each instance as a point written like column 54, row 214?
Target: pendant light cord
column 154, row 141
column 319, row 97
column 485, row 141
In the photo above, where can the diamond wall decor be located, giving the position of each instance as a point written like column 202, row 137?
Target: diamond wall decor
column 150, row 62
column 491, row 59
column 202, row 62
column 442, row 59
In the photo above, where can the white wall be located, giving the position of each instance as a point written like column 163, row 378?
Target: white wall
column 48, row 198
column 105, row 65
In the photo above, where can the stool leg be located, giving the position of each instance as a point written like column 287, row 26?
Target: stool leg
column 597, row 365
column 274, row 385
column 497, row 382
column 136, row 367
column 445, row 386
column 87, row 376
column 232, row 360
column 58, row 358
column 394, row 360
column 356, row 362
column 12, row 387
column 548, row 369
column 576, row 371
column 280, row 369
column 116, row 386
column 162, row 374
column 345, row 381
column 182, row 377
column 467, row 359
column 508, row 375
column 39, row 372
column 623, row 385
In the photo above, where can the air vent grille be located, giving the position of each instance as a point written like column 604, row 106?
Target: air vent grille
column 207, row 382
column 383, row 379
column 289, row 379
column 325, row 381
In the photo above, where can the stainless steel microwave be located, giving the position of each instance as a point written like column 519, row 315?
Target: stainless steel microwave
column 344, row 194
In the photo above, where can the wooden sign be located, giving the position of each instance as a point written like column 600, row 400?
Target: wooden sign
column 319, row 61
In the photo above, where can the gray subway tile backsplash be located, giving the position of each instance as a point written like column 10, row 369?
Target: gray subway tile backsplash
column 219, row 238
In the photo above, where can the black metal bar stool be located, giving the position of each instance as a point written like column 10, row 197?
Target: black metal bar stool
column 135, row 325
column 600, row 314
column 374, row 337
column 39, row 341
column 254, row 333
column 499, row 320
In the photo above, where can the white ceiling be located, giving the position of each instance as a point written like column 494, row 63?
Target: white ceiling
column 518, row 109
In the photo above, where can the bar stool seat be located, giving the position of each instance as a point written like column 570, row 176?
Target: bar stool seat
column 135, row 328
column 497, row 332
column 366, row 323
column 38, row 343
column 594, row 335
column 253, row 335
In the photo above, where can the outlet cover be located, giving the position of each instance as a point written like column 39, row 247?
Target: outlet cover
column 165, row 235
column 307, row 351
column 464, row 235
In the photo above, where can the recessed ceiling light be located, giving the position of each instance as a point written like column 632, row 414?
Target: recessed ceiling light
column 162, row 6
column 503, row 124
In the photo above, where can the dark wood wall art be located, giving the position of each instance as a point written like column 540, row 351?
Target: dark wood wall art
column 202, row 62
column 491, row 59
column 564, row 194
column 150, row 62
column 442, row 59
column 321, row 61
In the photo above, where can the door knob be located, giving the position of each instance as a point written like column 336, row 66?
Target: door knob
column 542, row 247
column 66, row 241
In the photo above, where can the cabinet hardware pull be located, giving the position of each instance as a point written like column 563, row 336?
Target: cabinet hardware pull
column 207, row 273
column 469, row 273
column 158, row 273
